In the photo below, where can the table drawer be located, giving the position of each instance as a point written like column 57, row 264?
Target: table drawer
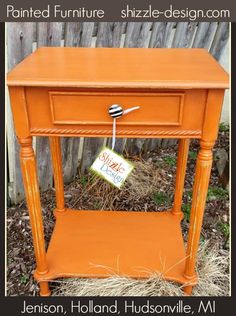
column 85, row 113
column 81, row 108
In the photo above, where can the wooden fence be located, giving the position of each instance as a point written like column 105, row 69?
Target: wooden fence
column 23, row 38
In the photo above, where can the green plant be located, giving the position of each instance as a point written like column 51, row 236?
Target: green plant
column 224, row 228
column 96, row 205
column 202, row 239
column 169, row 160
column 189, row 195
column 217, row 193
column 192, row 155
column 224, row 127
column 160, row 198
column 186, row 209
column 23, row 279
column 83, row 181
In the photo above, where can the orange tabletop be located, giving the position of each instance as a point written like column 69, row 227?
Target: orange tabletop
column 128, row 67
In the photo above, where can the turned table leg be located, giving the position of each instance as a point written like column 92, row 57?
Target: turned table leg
column 29, row 174
column 180, row 175
column 57, row 172
column 200, row 188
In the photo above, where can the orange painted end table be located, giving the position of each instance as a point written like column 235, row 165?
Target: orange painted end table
column 67, row 92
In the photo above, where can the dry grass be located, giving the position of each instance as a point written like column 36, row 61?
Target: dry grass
column 143, row 182
column 213, row 281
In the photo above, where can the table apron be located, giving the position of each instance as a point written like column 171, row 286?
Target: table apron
column 76, row 113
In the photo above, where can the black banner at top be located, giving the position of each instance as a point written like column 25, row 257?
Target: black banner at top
column 119, row 10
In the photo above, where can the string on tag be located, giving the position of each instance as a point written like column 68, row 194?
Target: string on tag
column 116, row 111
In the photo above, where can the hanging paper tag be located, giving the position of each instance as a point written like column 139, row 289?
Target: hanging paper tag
column 112, row 167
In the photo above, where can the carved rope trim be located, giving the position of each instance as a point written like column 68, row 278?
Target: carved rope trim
column 107, row 132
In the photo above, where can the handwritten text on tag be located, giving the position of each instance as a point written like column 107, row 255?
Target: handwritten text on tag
column 112, row 167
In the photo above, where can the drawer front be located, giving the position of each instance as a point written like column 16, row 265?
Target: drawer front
column 79, row 108
column 85, row 113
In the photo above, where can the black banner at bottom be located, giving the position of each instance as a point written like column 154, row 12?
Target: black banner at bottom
column 117, row 306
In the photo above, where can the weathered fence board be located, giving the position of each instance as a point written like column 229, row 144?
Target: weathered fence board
column 119, row 144
column 73, row 32
column 203, row 35
column 49, row 34
column 134, row 146
column 19, row 43
column 70, row 149
column 22, row 37
column 105, row 34
column 44, row 165
column 220, row 39
column 161, row 33
column 184, row 34
column 109, row 34
column 137, row 34
column 144, row 36
column 87, row 34
column 118, row 29
column 90, row 150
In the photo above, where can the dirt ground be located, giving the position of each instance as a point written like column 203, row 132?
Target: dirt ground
column 86, row 192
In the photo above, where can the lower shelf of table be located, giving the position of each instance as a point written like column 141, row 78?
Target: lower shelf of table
column 107, row 243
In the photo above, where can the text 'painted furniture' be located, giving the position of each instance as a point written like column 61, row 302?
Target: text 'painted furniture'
column 59, row 92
